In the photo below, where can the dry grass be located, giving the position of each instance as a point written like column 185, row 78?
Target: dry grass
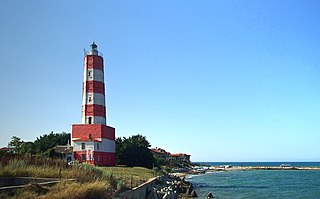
column 19, row 168
column 90, row 181
column 75, row 190
column 80, row 172
column 67, row 189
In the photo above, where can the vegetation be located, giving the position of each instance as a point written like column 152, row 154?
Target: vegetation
column 89, row 181
column 38, row 159
column 134, row 151
column 65, row 189
column 41, row 146
column 130, row 176
column 131, row 151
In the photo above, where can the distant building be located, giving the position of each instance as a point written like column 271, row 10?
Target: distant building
column 6, row 149
column 160, row 153
column 163, row 154
column 93, row 141
column 66, row 151
column 180, row 157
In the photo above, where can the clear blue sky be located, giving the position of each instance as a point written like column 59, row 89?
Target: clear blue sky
column 220, row 80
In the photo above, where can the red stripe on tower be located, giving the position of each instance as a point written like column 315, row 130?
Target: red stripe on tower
column 95, row 110
column 94, row 61
column 93, row 81
column 93, row 86
column 93, row 141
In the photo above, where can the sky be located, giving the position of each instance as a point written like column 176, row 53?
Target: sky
column 219, row 80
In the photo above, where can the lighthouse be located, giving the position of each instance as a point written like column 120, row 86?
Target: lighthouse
column 93, row 140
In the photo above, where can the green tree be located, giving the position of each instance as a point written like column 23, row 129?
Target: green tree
column 45, row 143
column 134, row 151
column 42, row 145
column 27, row 148
column 15, row 143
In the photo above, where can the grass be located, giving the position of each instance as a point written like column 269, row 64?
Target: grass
column 97, row 189
column 130, row 176
column 140, row 172
column 64, row 189
column 90, row 181
column 19, row 168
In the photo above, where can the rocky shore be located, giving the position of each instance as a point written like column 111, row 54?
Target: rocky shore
column 162, row 187
column 175, row 186
column 178, row 186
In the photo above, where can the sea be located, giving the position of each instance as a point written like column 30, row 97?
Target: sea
column 302, row 184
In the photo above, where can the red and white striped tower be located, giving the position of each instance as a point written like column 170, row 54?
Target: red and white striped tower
column 93, row 98
column 93, row 141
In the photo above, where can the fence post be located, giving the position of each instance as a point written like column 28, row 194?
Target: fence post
column 60, row 172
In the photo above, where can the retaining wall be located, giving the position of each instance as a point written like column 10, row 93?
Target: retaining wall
column 141, row 192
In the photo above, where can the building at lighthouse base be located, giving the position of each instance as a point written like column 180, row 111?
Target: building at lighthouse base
column 94, row 144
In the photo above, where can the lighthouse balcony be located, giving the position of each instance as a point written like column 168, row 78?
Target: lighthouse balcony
column 89, row 53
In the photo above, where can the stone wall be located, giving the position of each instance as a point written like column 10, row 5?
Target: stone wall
column 143, row 191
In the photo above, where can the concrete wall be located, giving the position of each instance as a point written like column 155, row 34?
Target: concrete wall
column 16, row 181
column 142, row 191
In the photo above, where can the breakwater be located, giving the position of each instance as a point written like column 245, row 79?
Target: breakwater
column 231, row 168
column 168, row 186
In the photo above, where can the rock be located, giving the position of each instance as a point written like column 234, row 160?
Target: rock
column 152, row 195
column 189, row 190
column 170, row 196
column 160, row 194
column 193, row 194
column 209, row 195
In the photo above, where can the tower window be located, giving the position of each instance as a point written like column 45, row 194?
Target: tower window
column 83, row 146
column 90, row 120
column 89, row 99
column 89, row 73
column 98, row 146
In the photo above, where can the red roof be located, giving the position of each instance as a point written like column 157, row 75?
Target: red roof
column 162, row 151
column 4, row 149
column 159, row 150
column 179, row 154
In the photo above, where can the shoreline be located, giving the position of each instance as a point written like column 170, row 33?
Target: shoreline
column 204, row 169
column 244, row 181
column 199, row 170
column 245, row 168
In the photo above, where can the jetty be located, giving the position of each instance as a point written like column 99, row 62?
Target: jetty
column 206, row 169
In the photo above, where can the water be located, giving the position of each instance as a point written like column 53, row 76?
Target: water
column 259, row 183
column 294, row 164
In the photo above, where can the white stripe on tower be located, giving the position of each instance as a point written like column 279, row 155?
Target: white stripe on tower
column 93, row 94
